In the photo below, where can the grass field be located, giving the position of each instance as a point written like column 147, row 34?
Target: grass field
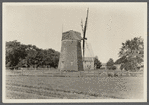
column 38, row 84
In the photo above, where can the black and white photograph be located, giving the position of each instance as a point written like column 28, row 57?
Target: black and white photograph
column 74, row 52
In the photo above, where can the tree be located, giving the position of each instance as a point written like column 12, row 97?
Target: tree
column 120, row 60
column 97, row 63
column 30, row 59
column 19, row 55
column 15, row 52
column 132, row 53
column 110, row 63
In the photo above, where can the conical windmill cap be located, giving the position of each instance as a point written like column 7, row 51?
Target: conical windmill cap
column 71, row 35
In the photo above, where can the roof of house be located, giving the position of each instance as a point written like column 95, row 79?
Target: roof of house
column 104, row 64
column 71, row 35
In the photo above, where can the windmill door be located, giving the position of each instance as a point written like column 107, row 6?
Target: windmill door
column 62, row 64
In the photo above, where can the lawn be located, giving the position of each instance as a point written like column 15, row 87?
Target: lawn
column 33, row 84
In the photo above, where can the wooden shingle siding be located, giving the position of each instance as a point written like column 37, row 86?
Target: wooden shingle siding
column 71, row 55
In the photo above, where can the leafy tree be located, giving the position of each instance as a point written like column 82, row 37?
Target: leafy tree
column 30, row 59
column 120, row 60
column 18, row 55
column 110, row 63
column 132, row 53
column 97, row 63
column 15, row 52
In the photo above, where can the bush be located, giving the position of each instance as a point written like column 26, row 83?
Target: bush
column 110, row 75
column 116, row 75
column 113, row 67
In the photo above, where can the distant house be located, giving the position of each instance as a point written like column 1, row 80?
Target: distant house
column 104, row 66
column 118, row 66
column 88, row 63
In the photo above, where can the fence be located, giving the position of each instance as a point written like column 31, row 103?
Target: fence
column 56, row 73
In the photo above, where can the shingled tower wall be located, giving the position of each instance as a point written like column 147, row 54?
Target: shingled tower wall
column 71, row 54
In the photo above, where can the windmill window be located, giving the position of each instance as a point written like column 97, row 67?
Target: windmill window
column 71, row 63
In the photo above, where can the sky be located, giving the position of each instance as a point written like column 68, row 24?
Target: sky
column 42, row 24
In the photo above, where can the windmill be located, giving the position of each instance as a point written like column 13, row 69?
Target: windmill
column 71, row 52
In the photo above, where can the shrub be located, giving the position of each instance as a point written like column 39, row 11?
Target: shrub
column 116, row 75
column 113, row 67
column 110, row 75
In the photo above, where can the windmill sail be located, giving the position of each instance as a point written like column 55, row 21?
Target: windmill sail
column 82, row 26
column 88, row 56
column 88, row 50
column 84, row 32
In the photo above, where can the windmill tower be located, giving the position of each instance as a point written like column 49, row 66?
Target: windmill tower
column 71, row 52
